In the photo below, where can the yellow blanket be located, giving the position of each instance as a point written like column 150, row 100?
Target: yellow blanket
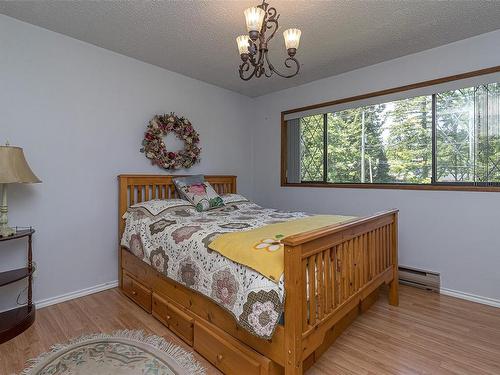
column 261, row 248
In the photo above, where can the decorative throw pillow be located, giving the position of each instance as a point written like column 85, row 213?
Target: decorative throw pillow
column 201, row 194
column 188, row 180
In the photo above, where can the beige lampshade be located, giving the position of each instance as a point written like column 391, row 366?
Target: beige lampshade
column 13, row 166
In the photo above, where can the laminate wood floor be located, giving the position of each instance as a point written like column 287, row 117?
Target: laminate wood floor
column 426, row 334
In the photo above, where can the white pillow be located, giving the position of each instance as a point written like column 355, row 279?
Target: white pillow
column 156, row 206
column 232, row 198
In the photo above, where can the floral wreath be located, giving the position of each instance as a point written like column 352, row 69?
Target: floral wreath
column 154, row 147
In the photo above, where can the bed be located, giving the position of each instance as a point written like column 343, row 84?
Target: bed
column 330, row 275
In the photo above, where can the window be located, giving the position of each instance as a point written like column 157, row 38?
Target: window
column 311, row 148
column 468, row 135
column 384, row 143
column 444, row 138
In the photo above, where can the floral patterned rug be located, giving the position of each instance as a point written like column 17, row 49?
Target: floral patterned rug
column 122, row 352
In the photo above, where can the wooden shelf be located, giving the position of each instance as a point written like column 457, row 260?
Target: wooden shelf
column 9, row 277
column 20, row 233
column 15, row 321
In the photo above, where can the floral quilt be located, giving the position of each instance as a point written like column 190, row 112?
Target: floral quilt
column 173, row 237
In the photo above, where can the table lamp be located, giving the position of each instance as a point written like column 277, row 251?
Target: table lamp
column 13, row 169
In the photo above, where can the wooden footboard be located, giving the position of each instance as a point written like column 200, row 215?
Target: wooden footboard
column 328, row 273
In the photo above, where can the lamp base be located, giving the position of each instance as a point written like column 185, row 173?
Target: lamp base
column 6, row 231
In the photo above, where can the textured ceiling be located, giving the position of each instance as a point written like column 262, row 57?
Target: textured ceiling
column 197, row 38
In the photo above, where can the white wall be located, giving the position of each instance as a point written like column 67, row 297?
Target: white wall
column 454, row 233
column 80, row 112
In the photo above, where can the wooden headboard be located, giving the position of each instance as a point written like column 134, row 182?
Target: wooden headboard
column 136, row 188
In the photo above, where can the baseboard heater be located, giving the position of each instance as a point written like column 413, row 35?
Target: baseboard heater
column 419, row 278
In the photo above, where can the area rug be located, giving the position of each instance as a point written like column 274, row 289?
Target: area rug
column 119, row 353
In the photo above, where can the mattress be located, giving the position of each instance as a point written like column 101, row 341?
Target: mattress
column 173, row 237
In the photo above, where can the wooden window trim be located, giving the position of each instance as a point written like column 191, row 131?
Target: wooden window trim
column 398, row 186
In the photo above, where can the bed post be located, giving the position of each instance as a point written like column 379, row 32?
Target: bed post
column 394, row 284
column 293, row 310
column 122, row 207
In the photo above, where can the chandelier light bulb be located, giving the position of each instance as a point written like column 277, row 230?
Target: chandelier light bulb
column 254, row 17
column 292, row 38
column 242, row 42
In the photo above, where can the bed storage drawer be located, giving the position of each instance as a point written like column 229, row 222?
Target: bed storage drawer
column 224, row 352
column 136, row 291
column 175, row 319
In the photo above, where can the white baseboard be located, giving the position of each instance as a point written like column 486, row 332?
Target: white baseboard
column 470, row 297
column 113, row 284
column 72, row 295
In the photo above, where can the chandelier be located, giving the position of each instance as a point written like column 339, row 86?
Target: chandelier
column 253, row 48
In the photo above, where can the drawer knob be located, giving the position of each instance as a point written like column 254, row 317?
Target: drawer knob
column 134, row 293
column 219, row 357
column 169, row 317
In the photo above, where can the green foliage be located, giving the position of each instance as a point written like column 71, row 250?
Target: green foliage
column 487, row 120
column 397, row 145
column 345, row 145
column 468, row 135
column 455, row 135
column 409, row 148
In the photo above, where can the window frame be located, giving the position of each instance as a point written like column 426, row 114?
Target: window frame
column 434, row 185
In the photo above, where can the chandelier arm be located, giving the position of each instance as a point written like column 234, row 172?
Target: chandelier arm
column 287, row 64
column 267, row 72
column 271, row 22
column 253, row 48
column 242, row 76
column 260, row 60
column 270, row 26
column 252, row 60
column 245, row 67
column 261, row 68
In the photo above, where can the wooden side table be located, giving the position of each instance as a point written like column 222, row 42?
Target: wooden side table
column 14, row 322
